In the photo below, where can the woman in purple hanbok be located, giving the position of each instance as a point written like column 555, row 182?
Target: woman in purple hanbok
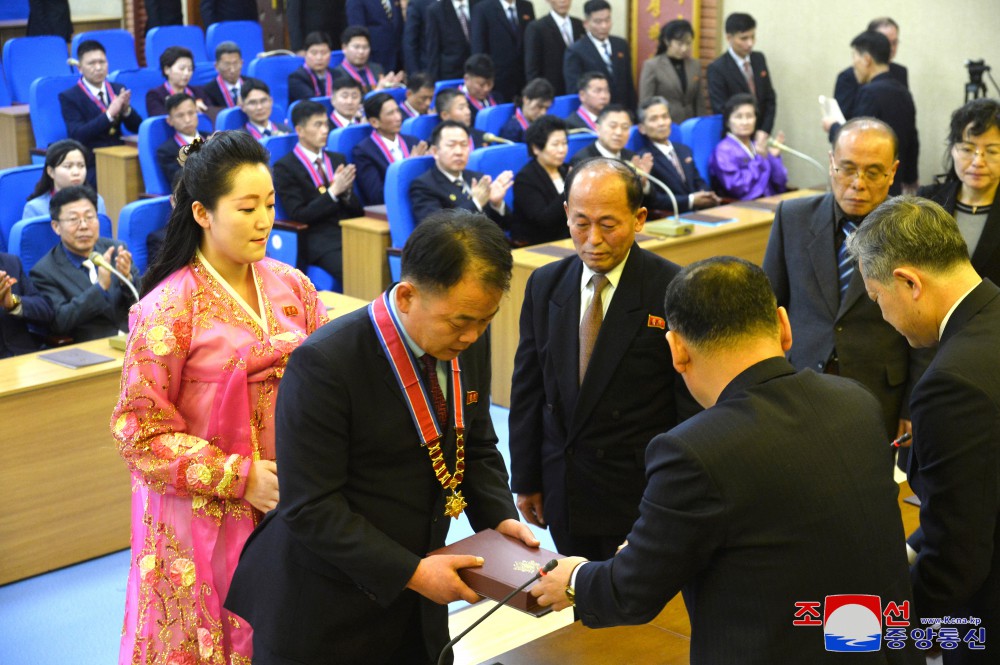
column 209, row 342
column 743, row 166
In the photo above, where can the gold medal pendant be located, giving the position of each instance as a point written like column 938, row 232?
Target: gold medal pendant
column 112, row 131
column 322, row 190
column 454, row 504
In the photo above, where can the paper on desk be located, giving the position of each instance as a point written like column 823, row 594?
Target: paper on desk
column 831, row 109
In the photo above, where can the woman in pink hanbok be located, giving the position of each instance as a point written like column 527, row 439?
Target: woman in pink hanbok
column 195, row 421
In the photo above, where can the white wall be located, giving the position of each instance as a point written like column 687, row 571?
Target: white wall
column 79, row 8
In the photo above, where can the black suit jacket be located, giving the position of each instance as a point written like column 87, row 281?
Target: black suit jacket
column 538, row 214
column 372, row 165
column 305, row 16
column 15, row 338
column 432, row 191
column 83, row 310
column 544, row 49
column 955, row 470
column 445, row 47
column 88, row 124
column 583, row 446
column 726, row 79
column 323, row 577
column 846, row 88
column 213, row 96
column 413, row 35
column 492, row 33
column 300, row 85
column 166, row 157
column 801, row 262
column 664, row 170
column 216, row 11
column 156, row 99
column 304, row 203
column 986, row 253
column 746, row 536
column 582, row 57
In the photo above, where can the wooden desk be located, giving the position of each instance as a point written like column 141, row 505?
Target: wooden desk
column 746, row 238
column 366, row 268
column 16, row 137
column 118, row 178
column 338, row 304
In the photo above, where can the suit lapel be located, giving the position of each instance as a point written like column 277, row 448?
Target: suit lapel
column 72, row 273
column 735, row 73
column 822, row 254
column 989, row 241
column 564, row 340
column 666, row 168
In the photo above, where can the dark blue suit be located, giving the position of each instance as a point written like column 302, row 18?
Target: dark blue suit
column 372, row 165
column 413, row 35
column 445, row 47
column 386, row 33
column 35, row 309
column 663, row 169
column 512, row 130
column 88, row 124
column 492, row 33
column 432, row 191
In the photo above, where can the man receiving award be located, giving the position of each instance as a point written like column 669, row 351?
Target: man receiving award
column 383, row 434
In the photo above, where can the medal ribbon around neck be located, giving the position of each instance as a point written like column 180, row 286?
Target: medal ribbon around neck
column 311, row 168
column 328, row 84
column 353, row 72
column 586, row 118
column 404, row 368
column 108, row 90
column 224, row 88
column 520, row 119
column 253, row 131
column 380, row 142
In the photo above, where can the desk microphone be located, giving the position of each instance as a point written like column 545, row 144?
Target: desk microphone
column 493, row 138
column 660, row 184
column 771, row 143
column 544, row 570
column 98, row 260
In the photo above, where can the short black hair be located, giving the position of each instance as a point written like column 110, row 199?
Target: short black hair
column 444, row 98
column 352, row 31
column 373, row 104
column 592, row 6
column 721, row 301
column 175, row 100
column 874, row 44
column 450, row 244
column 443, row 125
column 415, row 82
column 537, row 134
column 613, row 108
column 68, row 195
column 538, row 88
column 88, row 45
column 480, row 65
column 979, row 116
column 251, row 84
column 633, row 185
column 738, row 22
column 733, row 103
column 676, row 29
column 587, row 77
column 227, row 47
column 341, row 82
column 315, row 38
column 306, row 109
column 172, row 54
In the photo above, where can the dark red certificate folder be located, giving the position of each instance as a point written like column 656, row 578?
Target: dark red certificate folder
column 507, row 564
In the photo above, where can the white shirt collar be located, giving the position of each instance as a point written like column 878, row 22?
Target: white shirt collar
column 507, row 6
column 457, row 4
column 94, row 89
column 187, row 138
column 261, row 128
column 560, row 20
column 606, row 153
column 947, row 317
column 343, row 120
column 614, row 275
column 598, row 43
column 738, row 59
column 389, row 142
column 449, row 176
column 313, row 156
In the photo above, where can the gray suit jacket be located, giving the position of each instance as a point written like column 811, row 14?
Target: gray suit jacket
column 801, row 262
column 82, row 310
column 659, row 77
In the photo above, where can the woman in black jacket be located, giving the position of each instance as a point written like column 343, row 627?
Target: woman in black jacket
column 539, row 216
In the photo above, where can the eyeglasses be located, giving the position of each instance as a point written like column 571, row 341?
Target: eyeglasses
column 969, row 151
column 850, row 173
column 77, row 222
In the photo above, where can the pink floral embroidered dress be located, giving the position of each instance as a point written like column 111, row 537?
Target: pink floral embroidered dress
column 196, row 408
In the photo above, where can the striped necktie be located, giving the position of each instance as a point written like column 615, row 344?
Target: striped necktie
column 845, row 266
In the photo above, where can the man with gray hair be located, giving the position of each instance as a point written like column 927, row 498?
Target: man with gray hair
column 916, row 266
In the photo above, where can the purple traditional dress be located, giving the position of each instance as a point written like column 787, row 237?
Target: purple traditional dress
column 739, row 172
column 197, row 401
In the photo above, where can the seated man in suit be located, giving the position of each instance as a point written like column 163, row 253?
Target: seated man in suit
column 446, row 39
column 846, row 88
column 182, row 116
column 536, row 98
column 223, row 92
column 314, row 78
column 95, row 109
column 477, row 85
column 177, row 67
column 594, row 94
column 545, row 42
column 672, row 162
column 356, row 44
column 598, row 51
column 89, row 302
column 347, row 103
column 497, row 29
column 450, row 185
column 257, row 104
column 451, row 104
column 386, row 145
column 743, row 539
column 419, row 95
column 316, row 187
column 882, row 96
column 741, row 69
column 21, row 305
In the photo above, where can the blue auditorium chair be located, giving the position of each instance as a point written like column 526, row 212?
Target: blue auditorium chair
column 5, row 99
column 16, row 185
column 152, row 132
column 578, row 141
column 30, row 239
column 399, row 94
column 495, row 159
column 344, row 139
column 635, row 139
column 397, row 202
column 447, row 83
column 274, row 72
column 28, row 58
column 45, row 111
column 325, row 101
column 564, row 105
column 492, row 118
column 421, row 126
column 119, row 45
column 137, row 220
column 139, row 81
column 701, row 134
column 247, row 34
column 14, row 10
column 160, row 38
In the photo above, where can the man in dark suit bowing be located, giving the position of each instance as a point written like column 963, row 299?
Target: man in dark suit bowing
column 95, row 109
column 450, row 185
column 339, row 571
column 916, row 266
column 315, row 186
column 545, row 44
column 386, row 145
column 672, row 162
column 779, row 492
column 592, row 329
column 598, row 51
column 497, row 29
column 741, row 69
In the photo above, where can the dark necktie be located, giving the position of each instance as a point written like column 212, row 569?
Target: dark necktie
column 429, row 366
column 100, row 96
column 322, row 171
column 590, row 326
column 845, row 266
column 512, row 17
column 607, row 58
column 236, row 93
column 266, row 132
column 748, row 73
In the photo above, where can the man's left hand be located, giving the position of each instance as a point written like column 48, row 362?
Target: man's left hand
column 519, row 530
column 123, row 262
column 551, row 589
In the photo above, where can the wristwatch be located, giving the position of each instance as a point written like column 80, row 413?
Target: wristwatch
column 571, row 595
column 16, row 299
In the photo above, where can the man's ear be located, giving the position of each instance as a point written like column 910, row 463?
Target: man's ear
column 680, row 357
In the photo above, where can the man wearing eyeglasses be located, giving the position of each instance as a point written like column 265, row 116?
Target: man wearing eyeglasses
column 837, row 329
column 89, row 301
